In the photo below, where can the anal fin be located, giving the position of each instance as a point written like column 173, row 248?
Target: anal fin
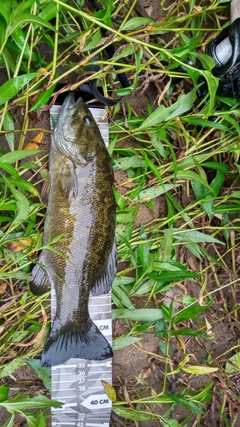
column 104, row 281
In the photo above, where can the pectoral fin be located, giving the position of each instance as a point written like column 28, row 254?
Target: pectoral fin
column 105, row 279
column 69, row 178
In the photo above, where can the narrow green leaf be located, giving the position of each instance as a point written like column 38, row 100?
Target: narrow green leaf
column 8, row 124
column 43, row 98
column 26, row 18
column 17, row 155
column 131, row 414
column 138, row 314
column 10, row 88
column 190, row 312
column 5, row 10
column 135, row 23
column 9, row 422
column 192, row 176
column 4, row 390
column 194, row 236
column 122, row 342
column 9, row 169
column 123, row 297
column 168, row 276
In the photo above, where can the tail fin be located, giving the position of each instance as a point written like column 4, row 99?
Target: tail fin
column 67, row 341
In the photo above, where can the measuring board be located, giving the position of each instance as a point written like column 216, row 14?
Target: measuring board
column 77, row 382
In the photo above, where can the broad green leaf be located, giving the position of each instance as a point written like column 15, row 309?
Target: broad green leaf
column 207, row 61
column 25, row 403
column 8, row 124
column 4, row 390
column 9, row 422
column 10, row 88
column 234, row 364
column 190, row 312
column 198, row 370
column 110, row 391
column 17, row 155
column 131, row 414
column 131, row 162
column 12, row 366
column 138, row 314
column 2, row 30
column 93, row 41
column 135, row 23
column 212, row 83
column 119, row 343
column 153, row 192
column 42, row 372
column 162, row 113
column 26, row 18
column 186, row 403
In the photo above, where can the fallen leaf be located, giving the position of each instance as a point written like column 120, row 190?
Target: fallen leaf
column 110, row 391
column 34, row 144
column 3, row 288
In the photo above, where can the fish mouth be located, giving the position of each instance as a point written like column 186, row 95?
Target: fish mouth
column 70, row 107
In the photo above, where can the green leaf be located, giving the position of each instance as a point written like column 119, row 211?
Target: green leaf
column 192, row 176
column 23, row 207
column 10, row 88
column 25, row 403
column 233, row 365
column 122, row 342
column 8, row 124
column 198, row 370
column 194, row 236
column 188, row 404
column 4, row 390
column 5, row 10
column 11, row 367
column 9, row 169
column 153, row 192
column 26, row 18
column 42, row 372
column 168, row 276
column 190, row 312
column 140, row 314
column 17, row 155
column 162, row 113
column 43, row 98
column 9, row 422
column 135, row 23
column 131, row 414
column 123, row 297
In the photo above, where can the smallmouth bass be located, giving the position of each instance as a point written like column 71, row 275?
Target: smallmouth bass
column 81, row 208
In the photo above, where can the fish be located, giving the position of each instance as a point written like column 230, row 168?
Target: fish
column 79, row 254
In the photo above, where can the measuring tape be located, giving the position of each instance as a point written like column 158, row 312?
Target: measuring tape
column 78, row 382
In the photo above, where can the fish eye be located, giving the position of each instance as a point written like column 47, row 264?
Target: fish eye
column 87, row 120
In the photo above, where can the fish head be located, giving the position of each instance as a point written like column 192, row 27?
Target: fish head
column 76, row 134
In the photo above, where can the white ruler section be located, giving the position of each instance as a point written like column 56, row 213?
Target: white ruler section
column 77, row 382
